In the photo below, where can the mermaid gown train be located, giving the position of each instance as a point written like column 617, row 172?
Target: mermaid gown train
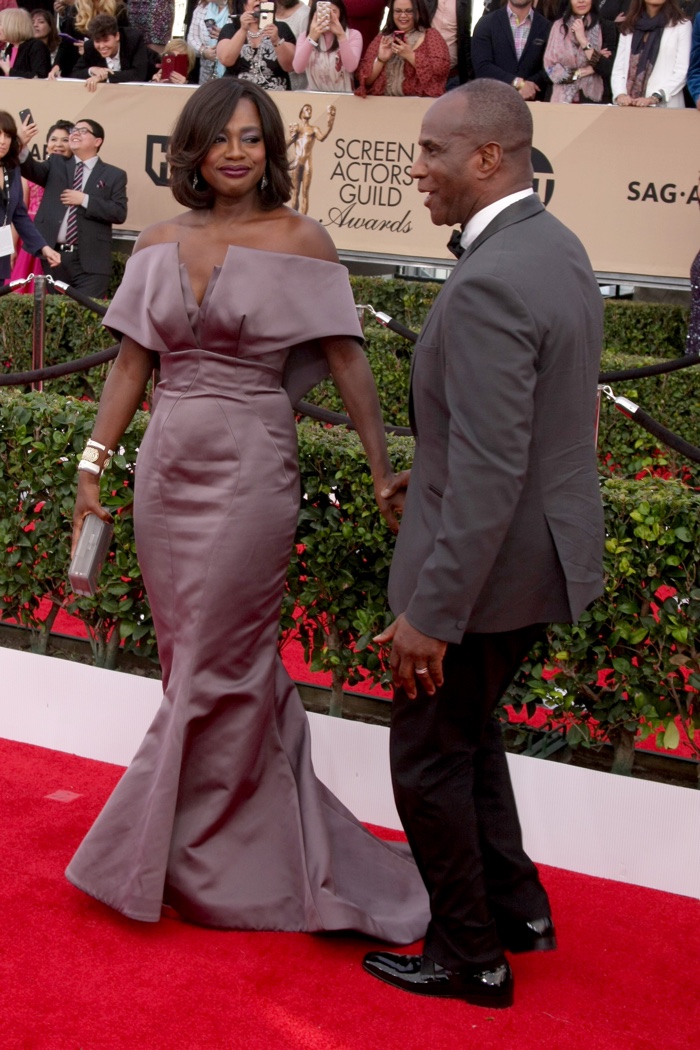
column 220, row 813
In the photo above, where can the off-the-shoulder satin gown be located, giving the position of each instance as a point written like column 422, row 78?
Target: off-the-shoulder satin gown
column 220, row 814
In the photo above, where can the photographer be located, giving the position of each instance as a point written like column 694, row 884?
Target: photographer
column 261, row 55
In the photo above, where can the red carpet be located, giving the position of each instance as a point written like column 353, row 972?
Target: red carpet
column 76, row 976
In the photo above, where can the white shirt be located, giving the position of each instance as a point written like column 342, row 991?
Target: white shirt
column 478, row 223
column 114, row 63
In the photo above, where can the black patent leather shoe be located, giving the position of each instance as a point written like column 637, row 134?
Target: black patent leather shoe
column 418, row 974
column 537, row 935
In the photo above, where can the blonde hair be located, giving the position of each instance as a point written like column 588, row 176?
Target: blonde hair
column 85, row 10
column 178, row 46
column 16, row 25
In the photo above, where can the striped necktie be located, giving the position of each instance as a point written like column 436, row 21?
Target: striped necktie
column 72, row 227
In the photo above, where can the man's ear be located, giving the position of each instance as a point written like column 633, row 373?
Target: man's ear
column 490, row 157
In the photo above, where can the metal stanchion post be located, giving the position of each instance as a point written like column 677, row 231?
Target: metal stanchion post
column 38, row 327
column 361, row 315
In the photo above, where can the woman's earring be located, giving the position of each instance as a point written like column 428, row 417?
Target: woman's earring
column 263, row 181
column 198, row 183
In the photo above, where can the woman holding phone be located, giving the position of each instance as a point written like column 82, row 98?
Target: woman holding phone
column 330, row 52
column 13, row 210
column 408, row 57
column 208, row 19
column 261, row 52
column 220, row 815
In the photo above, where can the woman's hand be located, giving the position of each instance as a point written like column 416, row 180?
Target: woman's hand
column 52, row 257
column 335, row 27
column 5, row 66
column 248, row 21
column 55, row 73
column 272, row 33
column 403, row 49
column 213, row 32
column 579, row 31
column 644, row 103
column 624, row 100
column 315, row 29
column 385, row 49
column 87, row 502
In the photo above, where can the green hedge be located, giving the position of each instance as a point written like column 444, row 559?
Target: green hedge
column 642, row 633
column 340, row 568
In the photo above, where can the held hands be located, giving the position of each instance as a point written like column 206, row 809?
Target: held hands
column 413, row 652
column 87, row 502
column 390, row 493
column 52, row 257
column 644, row 103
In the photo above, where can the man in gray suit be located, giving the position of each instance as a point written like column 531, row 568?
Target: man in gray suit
column 501, row 533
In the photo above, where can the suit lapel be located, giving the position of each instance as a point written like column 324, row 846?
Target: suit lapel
column 93, row 176
column 522, row 209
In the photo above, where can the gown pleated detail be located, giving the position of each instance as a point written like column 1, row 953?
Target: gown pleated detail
column 220, row 814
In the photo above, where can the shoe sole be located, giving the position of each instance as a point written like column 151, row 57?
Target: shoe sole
column 542, row 944
column 474, row 1000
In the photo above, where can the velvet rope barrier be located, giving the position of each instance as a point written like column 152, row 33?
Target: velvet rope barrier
column 658, row 430
column 65, row 368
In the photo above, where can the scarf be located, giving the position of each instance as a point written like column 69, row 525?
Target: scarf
column 646, row 41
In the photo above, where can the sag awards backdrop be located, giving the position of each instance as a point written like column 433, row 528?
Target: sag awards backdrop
column 625, row 180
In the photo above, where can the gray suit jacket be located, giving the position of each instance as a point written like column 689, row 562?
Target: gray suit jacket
column 106, row 188
column 503, row 523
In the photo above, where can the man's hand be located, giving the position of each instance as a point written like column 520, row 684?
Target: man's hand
column 528, row 90
column 414, row 657
column 72, row 198
column 26, row 132
column 52, row 257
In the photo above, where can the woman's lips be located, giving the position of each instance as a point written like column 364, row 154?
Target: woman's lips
column 234, row 171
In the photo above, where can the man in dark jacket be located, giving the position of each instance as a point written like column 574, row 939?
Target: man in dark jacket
column 112, row 55
column 509, row 44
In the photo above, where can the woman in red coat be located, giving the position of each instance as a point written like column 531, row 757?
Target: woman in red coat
column 408, row 58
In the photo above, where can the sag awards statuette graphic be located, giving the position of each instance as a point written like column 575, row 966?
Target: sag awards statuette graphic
column 303, row 136
column 367, row 181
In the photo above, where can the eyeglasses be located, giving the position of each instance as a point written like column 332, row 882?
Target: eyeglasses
column 80, row 131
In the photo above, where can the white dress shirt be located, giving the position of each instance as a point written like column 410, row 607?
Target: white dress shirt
column 478, row 223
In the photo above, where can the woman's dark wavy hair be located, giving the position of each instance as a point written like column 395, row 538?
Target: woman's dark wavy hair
column 205, row 115
column 421, row 18
column 671, row 9
column 589, row 20
column 343, row 19
column 7, row 124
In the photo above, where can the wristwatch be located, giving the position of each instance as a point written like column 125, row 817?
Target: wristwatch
column 659, row 96
column 518, row 83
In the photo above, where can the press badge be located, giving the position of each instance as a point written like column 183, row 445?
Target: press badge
column 6, row 245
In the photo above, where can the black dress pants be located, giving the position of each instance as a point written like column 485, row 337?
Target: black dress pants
column 71, row 271
column 454, row 796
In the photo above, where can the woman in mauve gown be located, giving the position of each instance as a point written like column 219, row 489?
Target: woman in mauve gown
column 220, row 815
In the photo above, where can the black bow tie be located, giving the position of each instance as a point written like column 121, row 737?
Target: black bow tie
column 455, row 244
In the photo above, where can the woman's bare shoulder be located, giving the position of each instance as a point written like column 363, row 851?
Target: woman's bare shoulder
column 162, row 232
column 301, row 235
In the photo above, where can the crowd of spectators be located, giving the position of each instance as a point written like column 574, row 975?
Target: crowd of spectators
column 638, row 53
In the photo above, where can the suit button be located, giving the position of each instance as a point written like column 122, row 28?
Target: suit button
column 461, row 625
